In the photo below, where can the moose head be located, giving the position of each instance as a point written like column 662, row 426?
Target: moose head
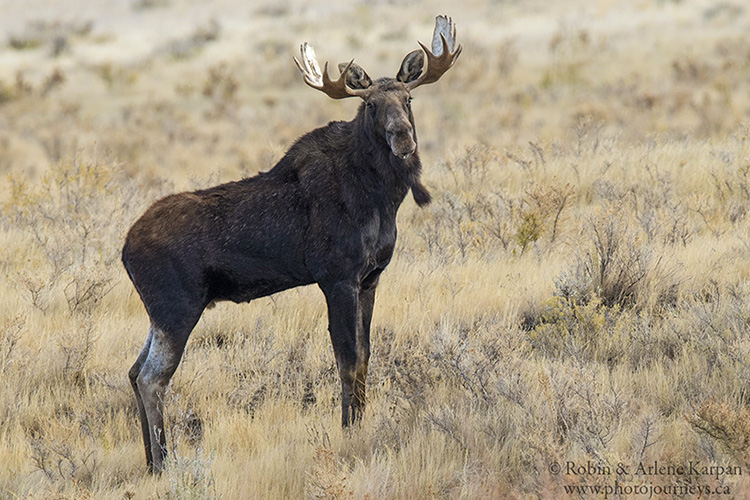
column 388, row 100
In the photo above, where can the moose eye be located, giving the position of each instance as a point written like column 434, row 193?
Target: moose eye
column 408, row 101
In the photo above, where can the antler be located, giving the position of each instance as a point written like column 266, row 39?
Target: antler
column 442, row 56
column 310, row 70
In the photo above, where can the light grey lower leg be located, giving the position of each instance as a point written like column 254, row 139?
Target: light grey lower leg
column 135, row 370
column 162, row 360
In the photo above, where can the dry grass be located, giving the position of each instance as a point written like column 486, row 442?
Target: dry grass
column 577, row 291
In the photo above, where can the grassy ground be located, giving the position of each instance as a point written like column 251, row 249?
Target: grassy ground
column 576, row 295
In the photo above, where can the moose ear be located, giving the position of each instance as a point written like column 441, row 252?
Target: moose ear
column 356, row 77
column 411, row 67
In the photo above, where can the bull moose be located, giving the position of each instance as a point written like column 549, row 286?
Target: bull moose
column 325, row 214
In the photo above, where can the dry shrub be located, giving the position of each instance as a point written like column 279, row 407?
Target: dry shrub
column 73, row 219
column 191, row 45
column 56, row 33
column 575, row 330
column 607, row 306
column 220, row 87
column 476, row 212
column 116, row 76
column 727, row 425
column 544, row 207
column 62, row 462
column 328, row 478
column 618, row 268
column 190, row 478
column 69, row 213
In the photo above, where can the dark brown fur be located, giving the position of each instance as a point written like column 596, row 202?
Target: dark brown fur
column 325, row 214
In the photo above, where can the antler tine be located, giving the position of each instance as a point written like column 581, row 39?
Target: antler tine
column 443, row 25
column 312, row 75
column 441, row 57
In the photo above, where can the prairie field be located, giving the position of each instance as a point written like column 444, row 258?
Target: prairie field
column 571, row 312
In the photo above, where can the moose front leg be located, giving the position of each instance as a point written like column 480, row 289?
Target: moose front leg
column 343, row 323
column 366, row 304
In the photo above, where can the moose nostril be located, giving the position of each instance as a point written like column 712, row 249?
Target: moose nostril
column 406, row 152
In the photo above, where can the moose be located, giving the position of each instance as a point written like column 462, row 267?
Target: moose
column 324, row 214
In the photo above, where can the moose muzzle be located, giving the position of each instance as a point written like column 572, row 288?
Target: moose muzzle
column 400, row 137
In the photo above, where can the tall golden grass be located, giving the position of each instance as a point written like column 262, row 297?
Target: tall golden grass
column 577, row 292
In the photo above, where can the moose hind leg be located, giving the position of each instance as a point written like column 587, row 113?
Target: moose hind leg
column 164, row 355
column 135, row 370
